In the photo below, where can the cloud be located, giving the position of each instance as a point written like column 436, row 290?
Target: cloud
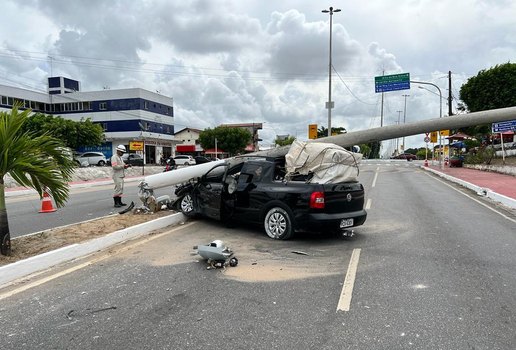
column 228, row 61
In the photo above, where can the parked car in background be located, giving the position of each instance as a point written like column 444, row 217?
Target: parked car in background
column 133, row 159
column 201, row 160
column 183, row 159
column 91, row 158
column 407, row 156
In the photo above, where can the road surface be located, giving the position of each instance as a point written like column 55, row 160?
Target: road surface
column 432, row 268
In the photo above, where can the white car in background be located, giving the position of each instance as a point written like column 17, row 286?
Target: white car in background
column 91, row 158
column 184, row 160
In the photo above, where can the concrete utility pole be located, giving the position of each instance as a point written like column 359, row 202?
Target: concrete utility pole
column 450, row 113
column 393, row 131
column 404, row 118
column 398, row 140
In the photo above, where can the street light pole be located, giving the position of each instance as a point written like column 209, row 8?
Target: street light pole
column 329, row 104
column 398, row 140
column 404, row 118
column 440, row 114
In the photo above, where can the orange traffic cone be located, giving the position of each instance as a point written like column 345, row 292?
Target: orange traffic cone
column 46, row 204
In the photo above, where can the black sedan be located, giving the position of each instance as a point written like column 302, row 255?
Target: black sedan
column 133, row 159
column 201, row 160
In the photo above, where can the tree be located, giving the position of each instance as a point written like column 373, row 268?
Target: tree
column 323, row 132
column 73, row 134
column 231, row 140
column 284, row 142
column 38, row 161
column 365, row 149
column 490, row 89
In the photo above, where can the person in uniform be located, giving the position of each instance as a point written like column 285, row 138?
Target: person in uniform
column 118, row 165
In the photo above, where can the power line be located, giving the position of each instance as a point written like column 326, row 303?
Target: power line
column 351, row 92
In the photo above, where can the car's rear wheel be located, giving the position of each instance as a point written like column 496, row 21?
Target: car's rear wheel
column 101, row 163
column 278, row 224
column 187, row 206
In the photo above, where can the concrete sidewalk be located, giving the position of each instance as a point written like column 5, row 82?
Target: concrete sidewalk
column 498, row 187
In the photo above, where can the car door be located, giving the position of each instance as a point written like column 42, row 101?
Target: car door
column 209, row 192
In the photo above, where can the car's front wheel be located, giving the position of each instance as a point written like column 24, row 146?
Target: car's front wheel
column 101, row 163
column 187, row 206
column 278, row 224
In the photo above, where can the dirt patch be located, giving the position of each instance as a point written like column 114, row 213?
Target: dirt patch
column 25, row 247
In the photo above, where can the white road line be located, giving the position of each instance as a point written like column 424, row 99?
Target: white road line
column 85, row 264
column 347, row 288
column 476, row 200
column 375, row 177
column 368, row 204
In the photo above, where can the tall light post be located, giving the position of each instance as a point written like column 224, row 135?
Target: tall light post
column 404, row 118
column 440, row 114
column 329, row 104
column 398, row 140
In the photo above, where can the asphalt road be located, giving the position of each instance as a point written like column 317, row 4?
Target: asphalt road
column 434, row 270
column 83, row 204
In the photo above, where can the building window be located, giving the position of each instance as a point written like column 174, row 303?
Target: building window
column 146, row 104
column 86, row 106
column 103, row 106
column 104, row 126
column 10, row 101
column 4, row 100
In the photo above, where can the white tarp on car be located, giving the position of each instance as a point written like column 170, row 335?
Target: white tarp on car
column 323, row 162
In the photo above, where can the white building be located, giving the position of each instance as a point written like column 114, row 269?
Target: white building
column 125, row 114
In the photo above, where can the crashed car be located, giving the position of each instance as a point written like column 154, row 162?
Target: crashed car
column 307, row 190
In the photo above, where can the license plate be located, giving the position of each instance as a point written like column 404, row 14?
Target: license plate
column 346, row 223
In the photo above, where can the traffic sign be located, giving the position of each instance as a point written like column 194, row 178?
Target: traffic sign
column 509, row 125
column 136, row 145
column 392, row 82
column 433, row 136
column 427, row 139
column 312, row 131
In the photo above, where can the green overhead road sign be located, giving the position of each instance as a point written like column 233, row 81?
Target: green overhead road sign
column 392, row 82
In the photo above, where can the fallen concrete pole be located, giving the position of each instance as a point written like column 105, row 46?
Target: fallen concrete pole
column 345, row 140
column 394, row 131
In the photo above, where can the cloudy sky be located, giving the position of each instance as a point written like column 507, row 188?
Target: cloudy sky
column 236, row 61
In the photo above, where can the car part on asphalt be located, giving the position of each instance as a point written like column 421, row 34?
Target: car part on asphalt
column 129, row 208
column 217, row 254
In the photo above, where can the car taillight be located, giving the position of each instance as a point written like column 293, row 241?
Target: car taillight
column 317, row 200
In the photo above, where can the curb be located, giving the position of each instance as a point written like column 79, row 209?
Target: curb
column 481, row 191
column 9, row 274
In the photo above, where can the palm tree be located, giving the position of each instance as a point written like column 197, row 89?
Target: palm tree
column 40, row 162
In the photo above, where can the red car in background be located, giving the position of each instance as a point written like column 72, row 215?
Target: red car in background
column 407, row 156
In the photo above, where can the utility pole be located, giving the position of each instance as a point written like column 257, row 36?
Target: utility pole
column 330, row 103
column 398, row 140
column 450, row 113
column 404, row 118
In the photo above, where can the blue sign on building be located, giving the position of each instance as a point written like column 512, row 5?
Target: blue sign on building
column 509, row 125
column 106, row 148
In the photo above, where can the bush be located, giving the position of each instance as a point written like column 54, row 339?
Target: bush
column 483, row 155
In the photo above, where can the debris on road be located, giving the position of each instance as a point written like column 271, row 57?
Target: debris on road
column 217, row 254
column 299, row 252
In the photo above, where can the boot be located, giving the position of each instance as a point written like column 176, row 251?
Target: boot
column 117, row 204
column 120, row 202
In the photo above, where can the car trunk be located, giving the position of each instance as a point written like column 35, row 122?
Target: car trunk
column 343, row 197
